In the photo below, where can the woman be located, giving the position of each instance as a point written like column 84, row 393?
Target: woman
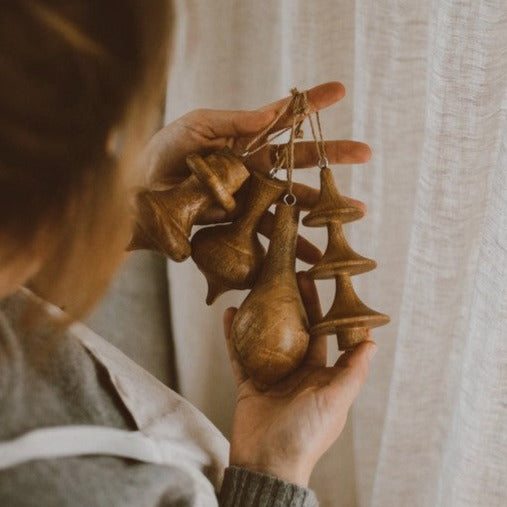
column 80, row 424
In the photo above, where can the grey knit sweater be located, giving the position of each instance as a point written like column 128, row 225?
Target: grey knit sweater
column 62, row 384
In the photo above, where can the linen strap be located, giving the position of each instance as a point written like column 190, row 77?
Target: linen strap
column 82, row 440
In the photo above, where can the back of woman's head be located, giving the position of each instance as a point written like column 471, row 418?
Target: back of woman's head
column 71, row 73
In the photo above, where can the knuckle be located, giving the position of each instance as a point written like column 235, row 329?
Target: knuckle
column 358, row 373
column 197, row 114
column 362, row 372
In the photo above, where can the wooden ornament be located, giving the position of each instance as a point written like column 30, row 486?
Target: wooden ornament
column 165, row 218
column 270, row 329
column 339, row 258
column 230, row 256
column 349, row 318
column 331, row 205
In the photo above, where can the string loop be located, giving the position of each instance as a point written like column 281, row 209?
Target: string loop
column 290, row 199
column 323, row 162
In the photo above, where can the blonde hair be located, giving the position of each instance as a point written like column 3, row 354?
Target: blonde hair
column 71, row 72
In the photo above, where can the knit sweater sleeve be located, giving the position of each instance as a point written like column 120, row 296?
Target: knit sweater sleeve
column 245, row 488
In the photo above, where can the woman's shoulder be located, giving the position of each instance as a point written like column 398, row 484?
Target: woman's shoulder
column 47, row 380
column 57, row 384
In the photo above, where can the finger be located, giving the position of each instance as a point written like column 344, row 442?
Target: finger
column 239, row 374
column 213, row 124
column 317, row 350
column 305, row 250
column 308, row 197
column 310, row 297
column 319, row 97
column 348, row 357
column 306, row 155
column 337, row 152
column 351, row 370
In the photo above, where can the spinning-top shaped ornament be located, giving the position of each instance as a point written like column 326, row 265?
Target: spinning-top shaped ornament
column 270, row 329
column 349, row 318
column 165, row 218
column 332, row 210
column 230, row 256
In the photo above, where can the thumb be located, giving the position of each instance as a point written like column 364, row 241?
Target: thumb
column 351, row 371
column 239, row 374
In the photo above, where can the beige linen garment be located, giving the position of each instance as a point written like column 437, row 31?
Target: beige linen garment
column 170, row 430
column 427, row 90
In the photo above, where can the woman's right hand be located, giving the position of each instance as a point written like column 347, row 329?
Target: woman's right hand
column 284, row 430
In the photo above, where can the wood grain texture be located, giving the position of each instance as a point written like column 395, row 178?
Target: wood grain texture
column 349, row 318
column 270, row 329
column 230, row 256
column 165, row 218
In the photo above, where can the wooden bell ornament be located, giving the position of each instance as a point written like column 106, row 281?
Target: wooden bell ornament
column 270, row 329
column 165, row 218
column 230, row 256
column 349, row 318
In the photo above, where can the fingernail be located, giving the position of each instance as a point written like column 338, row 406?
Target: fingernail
column 372, row 350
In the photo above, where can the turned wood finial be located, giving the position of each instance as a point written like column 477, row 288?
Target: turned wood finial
column 230, row 256
column 270, row 329
column 165, row 218
column 349, row 318
column 331, row 205
column 339, row 258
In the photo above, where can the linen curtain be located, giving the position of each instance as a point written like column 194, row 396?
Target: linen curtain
column 426, row 88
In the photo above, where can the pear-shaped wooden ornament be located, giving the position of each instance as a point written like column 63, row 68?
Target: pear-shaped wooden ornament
column 165, row 218
column 270, row 329
column 230, row 256
column 349, row 318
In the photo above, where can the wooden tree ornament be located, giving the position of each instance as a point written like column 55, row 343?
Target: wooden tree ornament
column 349, row 318
column 165, row 218
column 230, row 256
column 270, row 329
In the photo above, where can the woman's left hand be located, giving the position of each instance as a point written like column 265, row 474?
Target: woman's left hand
column 204, row 130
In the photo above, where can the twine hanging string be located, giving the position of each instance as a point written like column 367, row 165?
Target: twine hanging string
column 264, row 134
column 319, row 141
column 300, row 110
column 284, row 155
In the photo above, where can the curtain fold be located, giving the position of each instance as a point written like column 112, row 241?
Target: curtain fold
column 445, row 404
column 427, row 89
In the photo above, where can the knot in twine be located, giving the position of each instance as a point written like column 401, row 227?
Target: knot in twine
column 284, row 155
